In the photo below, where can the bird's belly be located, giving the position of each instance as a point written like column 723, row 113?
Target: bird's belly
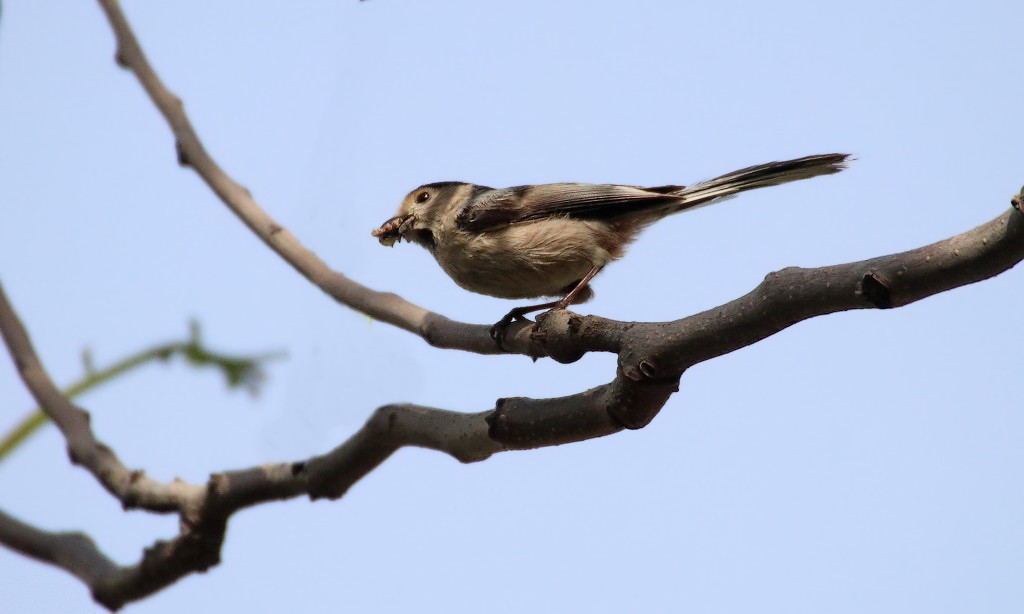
column 520, row 261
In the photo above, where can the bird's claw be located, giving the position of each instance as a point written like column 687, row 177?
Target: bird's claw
column 501, row 326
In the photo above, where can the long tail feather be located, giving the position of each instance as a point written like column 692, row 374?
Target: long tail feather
column 759, row 176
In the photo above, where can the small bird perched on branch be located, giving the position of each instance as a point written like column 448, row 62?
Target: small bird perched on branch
column 550, row 240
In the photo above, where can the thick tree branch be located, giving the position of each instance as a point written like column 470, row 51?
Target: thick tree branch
column 794, row 294
column 517, row 423
column 666, row 349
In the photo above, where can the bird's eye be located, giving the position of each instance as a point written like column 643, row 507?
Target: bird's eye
column 422, row 197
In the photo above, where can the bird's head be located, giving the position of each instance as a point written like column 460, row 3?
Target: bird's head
column 422, row 212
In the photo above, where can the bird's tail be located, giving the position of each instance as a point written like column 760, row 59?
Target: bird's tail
column 760, row 176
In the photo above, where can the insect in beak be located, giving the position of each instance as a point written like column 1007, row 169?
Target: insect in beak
column 391, row 231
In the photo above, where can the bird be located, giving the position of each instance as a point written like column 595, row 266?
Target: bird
column 550, row 240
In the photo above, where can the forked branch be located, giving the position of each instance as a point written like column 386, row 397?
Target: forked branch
column 652, row 358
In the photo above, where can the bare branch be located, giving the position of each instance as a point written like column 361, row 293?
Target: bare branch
column 132, row 488
column 384, row 306
column 659, row 350
column 205, row 510
column 869, row 289
column 73, row 552
column 793, row 294
column 517, row 423
column 652, row 357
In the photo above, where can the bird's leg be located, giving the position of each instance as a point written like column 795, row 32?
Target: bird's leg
column 498, row 330
column 580, row 287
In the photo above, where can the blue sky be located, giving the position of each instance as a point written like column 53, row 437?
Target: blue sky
column 866, row 461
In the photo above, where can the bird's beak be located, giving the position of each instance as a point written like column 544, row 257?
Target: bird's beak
column 391, row 231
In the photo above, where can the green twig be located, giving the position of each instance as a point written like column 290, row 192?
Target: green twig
column 239, row 371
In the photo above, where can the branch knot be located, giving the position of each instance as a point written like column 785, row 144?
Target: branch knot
column 555, row 331
column 877, row 289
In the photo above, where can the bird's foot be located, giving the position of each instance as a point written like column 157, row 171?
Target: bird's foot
column 501, row 326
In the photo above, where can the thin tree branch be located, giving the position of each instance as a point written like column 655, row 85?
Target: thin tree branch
column 22, row 431
column 204, row 509
column 74, row 552
column 521, row 338
column 516, row 423
column 132, row 488
column 384, row 306
column 238, row 371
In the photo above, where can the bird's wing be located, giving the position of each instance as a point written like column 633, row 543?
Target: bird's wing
column 500, row 208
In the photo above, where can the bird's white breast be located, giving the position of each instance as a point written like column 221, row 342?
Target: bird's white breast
column 524, row 260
